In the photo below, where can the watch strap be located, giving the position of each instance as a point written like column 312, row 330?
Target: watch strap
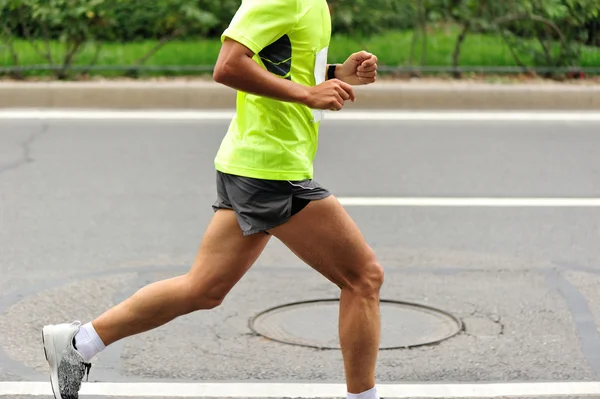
column 331, row 71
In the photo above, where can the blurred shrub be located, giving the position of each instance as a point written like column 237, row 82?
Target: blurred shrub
column 369, row 17
column 141, row 20
column 77, row 23
column 559, row 28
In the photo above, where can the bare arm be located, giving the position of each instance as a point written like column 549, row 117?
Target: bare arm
column 236, row 68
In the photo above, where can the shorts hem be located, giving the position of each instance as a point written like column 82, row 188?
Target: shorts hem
column 265, row 229
column 220, row 207
column 313, row 197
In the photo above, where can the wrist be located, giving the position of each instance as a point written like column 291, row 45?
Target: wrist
column 302, row 94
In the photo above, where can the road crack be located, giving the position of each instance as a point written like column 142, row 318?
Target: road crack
column 26, row 147
column 480, row 323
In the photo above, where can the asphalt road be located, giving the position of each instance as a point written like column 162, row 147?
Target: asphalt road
column 92, row 210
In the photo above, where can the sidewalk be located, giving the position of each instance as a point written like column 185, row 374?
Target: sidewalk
column 385, row 96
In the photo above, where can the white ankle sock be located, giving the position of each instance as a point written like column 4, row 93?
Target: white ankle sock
column 370, row 394
column 88, row 342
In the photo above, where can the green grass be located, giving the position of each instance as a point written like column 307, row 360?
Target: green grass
column 392, row 48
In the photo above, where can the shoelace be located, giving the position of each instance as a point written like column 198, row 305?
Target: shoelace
column 88, row 367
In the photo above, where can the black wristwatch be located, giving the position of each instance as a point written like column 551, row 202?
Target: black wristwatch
column 331, row 71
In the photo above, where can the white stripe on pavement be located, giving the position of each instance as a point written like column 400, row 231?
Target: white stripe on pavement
column 291, row 390
column 346, row 115
column 469, row 202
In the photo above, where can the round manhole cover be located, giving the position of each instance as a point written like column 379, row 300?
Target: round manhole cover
column 315, row 324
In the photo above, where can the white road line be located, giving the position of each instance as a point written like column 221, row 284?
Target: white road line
column 291, row 390
column 469, row 202
column 346, row 115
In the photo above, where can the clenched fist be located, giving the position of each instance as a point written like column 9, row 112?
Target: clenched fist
column 359, row 69
column 329, row 95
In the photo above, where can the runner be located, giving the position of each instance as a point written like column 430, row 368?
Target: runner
column 274, row 54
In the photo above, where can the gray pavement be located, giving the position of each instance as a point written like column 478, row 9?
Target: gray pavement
column 90, row 211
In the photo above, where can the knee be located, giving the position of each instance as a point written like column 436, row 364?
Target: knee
column 202, row 296
column 368, row 282
column 207, row 301
column 373, row 279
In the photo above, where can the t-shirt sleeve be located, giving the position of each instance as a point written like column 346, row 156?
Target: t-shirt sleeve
column 258, row 23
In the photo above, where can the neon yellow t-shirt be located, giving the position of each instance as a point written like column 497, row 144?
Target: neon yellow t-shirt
column 271, row 139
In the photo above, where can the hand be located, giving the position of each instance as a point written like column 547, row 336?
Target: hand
column 359, row 69
column 329, row 95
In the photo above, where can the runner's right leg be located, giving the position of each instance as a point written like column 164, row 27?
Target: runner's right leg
column 225, row 255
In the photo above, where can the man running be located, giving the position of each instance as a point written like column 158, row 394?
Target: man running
column 274, row 54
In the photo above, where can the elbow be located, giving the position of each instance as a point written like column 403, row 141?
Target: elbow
column 222, row 73
column 219, row 74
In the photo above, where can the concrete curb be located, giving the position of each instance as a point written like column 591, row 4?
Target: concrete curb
column 385, row 96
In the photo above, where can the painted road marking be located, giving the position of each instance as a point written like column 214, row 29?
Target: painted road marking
column 469, row 202
column 347, row 115
column 291, row 390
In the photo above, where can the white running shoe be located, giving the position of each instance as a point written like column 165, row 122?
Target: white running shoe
column 67, row 367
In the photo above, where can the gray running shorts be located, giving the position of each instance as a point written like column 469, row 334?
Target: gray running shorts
column 260, row 204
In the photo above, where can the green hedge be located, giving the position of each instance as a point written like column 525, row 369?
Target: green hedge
column 126, row 20
column 551, row 33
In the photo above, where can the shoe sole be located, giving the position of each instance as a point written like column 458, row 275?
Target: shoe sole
column 50, row 354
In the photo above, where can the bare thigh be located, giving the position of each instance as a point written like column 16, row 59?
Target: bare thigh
column 325, row 237
column 224, row 256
